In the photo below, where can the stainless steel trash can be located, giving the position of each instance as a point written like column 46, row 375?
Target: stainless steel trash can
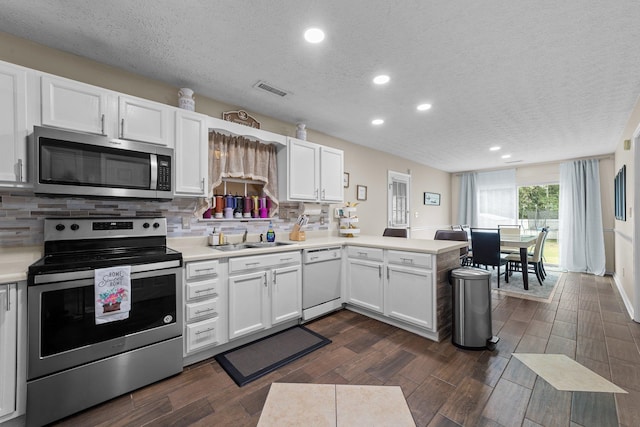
column 472, row 309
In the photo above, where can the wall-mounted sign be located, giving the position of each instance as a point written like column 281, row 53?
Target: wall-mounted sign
column 241, row 117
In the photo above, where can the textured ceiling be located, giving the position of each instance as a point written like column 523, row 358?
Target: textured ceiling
column 545, row 80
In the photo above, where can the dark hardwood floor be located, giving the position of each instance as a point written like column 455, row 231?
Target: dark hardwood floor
column 443, row 385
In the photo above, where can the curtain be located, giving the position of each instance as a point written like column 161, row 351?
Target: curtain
column 468, row 201
column 581, row 234
column 497, row 198
column 239, row 157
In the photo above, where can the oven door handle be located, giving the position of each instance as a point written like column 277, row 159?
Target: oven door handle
column 90, row 274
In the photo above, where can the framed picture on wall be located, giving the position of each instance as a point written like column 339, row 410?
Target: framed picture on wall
column 362, row 192
column 432, row 199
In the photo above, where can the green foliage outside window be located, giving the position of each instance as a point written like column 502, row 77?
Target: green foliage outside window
column 538, row 201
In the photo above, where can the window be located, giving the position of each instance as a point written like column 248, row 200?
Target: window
column 399, row 200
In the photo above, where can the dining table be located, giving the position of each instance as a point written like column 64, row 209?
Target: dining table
column 522, row 242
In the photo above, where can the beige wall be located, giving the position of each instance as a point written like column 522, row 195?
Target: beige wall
column 365, row 166
column 626, row 258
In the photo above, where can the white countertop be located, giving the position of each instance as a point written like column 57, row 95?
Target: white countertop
column 196, row 248
column 14, row 262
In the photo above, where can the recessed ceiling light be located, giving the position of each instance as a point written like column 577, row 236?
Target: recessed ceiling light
column 506, row 156
column 495, row 148
column 423, row 107
column 377, row 122
column 381, row 79
column 314, row 35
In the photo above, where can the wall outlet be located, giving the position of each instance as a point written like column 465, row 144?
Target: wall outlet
column 186, row 223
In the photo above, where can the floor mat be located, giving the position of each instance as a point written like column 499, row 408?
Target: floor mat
column 515, row 287
column 251, row 361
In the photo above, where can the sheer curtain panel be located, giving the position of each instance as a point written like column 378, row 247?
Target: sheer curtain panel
column 581, row 235
column 497, row 198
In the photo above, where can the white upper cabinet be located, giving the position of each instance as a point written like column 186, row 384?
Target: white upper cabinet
column 73, row 105
column 191, row 154
column 310, row 172
column 142, row 120
column 13, row 123
column 331, row 174
column 81, row 107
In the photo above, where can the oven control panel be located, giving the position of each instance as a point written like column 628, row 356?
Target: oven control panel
column 95, row 228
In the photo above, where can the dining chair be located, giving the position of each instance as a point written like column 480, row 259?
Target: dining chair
column 486, row 249
column 395, row 232
column 459, row 236
column 510, row 230
column 533, row 260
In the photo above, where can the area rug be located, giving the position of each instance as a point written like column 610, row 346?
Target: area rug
column 254, row 360
column 515, row 287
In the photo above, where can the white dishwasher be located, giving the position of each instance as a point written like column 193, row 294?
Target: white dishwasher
column 321, row 282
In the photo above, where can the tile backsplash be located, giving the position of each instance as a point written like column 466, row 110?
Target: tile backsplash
column 22, row 216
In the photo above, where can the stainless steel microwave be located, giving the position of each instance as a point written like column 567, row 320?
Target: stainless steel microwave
column 79, row 164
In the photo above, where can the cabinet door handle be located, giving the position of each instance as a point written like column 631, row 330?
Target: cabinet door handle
column 363, row 254
column 387, row 273
column 204, row 311
column 265, row 279
column 275, row 276
column 198, row 270
column 285, row 259
column 204, row 331
column 379, row 271
column 19, row 170
column 323, row 193
column 6, row 294
column 122, row 128
column 407, row 260
column 205, row 290
column 102, row 124
column 202, row 183
column 315, row 193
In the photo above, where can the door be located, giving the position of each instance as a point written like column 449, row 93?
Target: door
column 303, row 170
column 8, row 348
column 191, row 154
column 145, row 121
column 248, row 303
column 72, row 105
column 399, row 200
column 364, row 287
column 331, row 174
column 13, row 124
column 286, row 294
column 409, row 295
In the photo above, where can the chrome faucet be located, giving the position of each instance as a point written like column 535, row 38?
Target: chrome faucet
column 244, row 236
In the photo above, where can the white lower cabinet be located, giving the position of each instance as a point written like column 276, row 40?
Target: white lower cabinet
column 264, row 290
column 8, row 349
column 365, row 282
column 398, row 285
column 205, row 305
column 409, row 295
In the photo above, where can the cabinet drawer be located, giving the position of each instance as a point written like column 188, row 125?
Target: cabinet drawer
column 203, row 268
column 201, row 334
column 263, row 261
column 365, row 253
column 201, row 310
column 202, row 289
column 409, row 258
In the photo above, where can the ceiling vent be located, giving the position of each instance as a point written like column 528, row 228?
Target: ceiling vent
column 269, row 88
column 515, row 161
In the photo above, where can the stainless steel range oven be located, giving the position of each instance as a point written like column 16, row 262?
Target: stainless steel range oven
column 75, row 354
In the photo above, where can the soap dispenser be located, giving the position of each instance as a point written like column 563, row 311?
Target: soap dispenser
column 271, row 235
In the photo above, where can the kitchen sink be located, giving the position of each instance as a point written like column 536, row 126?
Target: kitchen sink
column 252, row 245
column 232, row 247
column 266, row 244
